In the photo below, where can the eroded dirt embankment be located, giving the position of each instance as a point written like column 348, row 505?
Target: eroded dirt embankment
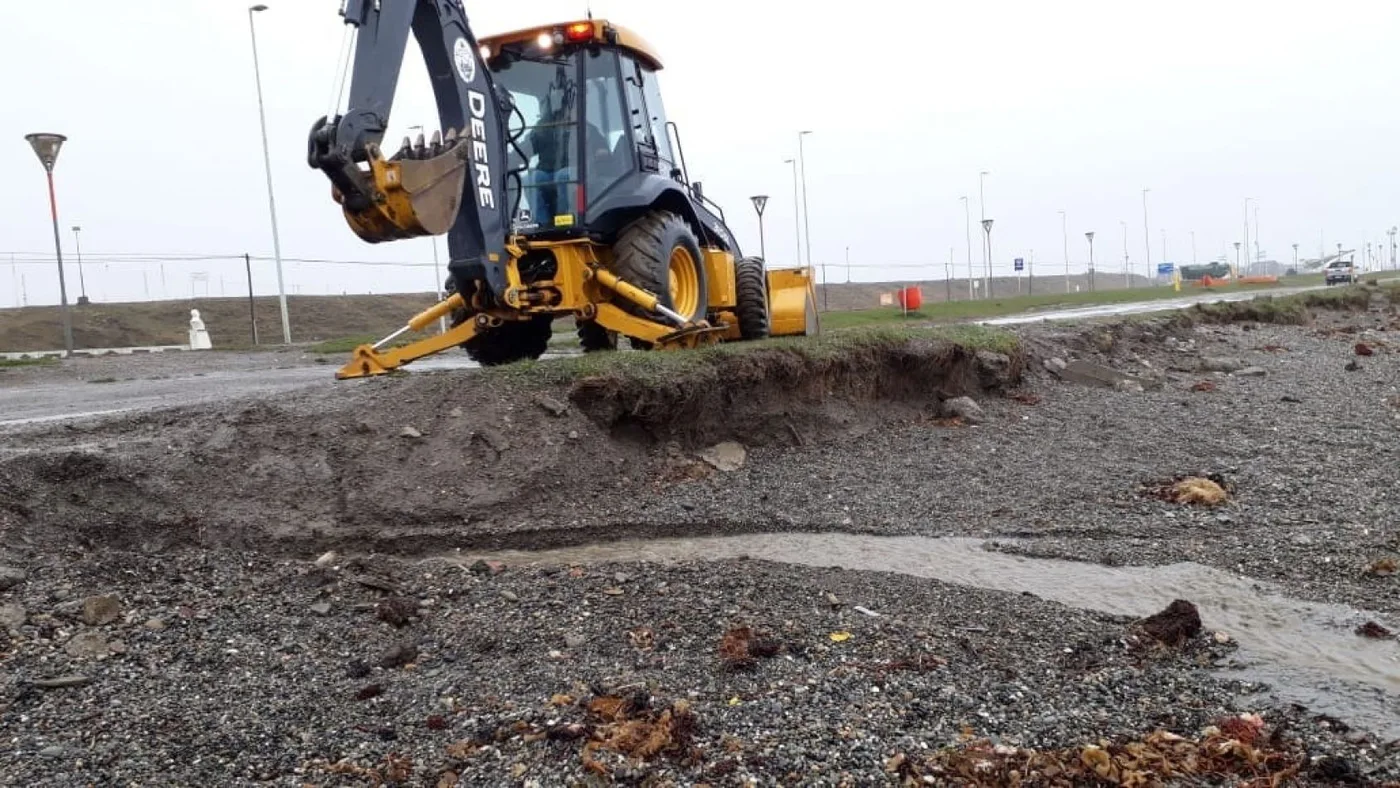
column 427, row 461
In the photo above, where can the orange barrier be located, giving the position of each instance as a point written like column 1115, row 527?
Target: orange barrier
column 910, row 298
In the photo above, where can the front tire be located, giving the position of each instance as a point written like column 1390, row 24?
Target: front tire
column 751, row 287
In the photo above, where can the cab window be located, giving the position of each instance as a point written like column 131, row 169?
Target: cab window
column 608, row 155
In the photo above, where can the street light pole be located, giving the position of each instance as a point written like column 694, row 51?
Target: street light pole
column 1193, row 247
column 1247, row 201
column 267, row 166
column 1147, row 237
column 1127, row 270
column 82, row 283
column 760, row 201
column 796, row 213
column 1064, row 234
column 986, row 240
column 987, row 227
column 1295, row 258
column 806, row 216
column 46, row 147
column 1090, row 236
column 967, row 219
column 1237, row 259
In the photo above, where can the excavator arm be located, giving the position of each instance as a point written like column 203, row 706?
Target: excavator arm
column 454, row 184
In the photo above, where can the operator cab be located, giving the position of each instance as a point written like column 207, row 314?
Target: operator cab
column 588, row 127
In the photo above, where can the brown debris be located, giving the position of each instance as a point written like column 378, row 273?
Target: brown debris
column 369, row 691
column 628, row 726
column 1026, row 398
column 396, row 611
column 1204, row 386
column 1160, row 758
column 1363, row 349
column 1174, row 626
column 742, row 647
column 395, row 769
column 1274, row 349
column 1383, row 567
column 1375, row 631
column 1209, row 490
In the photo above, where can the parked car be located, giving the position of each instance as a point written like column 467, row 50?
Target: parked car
column 1339, row 272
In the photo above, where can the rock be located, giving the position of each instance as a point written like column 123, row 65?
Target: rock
column 726, row 456
column 321, row 608
column 12, row 616
column 396, row 611
column 87, row 645
column 553, row 406
column 327, row 558
column 1252, row 372
column 495, row 439
column 509, row 596
column 1055, row 365
column 100, row 610
column 155, row 625
column 1174, row 626
column 620, row 577
column 1289, row 398
column 1302, row 540
column 63, row 682
column 965, row 408
column 455, row 413
column 410, row 432
column 53, row 751
column 1371, row 629
column 11, row 576
column 1130, row 386
column 398, row 655
column 994, row 369
column 573, row 435
column 1353, row 366
column 1221, row 364
column 1222, row 638
column 1090, row 374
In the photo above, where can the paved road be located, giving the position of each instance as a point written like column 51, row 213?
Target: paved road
column 28, row 403
column 1141, row 307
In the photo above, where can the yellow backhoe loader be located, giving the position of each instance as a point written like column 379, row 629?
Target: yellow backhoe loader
column 560, row 185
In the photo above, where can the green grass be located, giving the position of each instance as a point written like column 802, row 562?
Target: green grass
column 8, row 363
column 103, row 380
column 348, row 344
column 953, row 311
column 660, row 366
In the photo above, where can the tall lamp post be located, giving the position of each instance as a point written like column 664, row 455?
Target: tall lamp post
column 1147, row 238
column 1237, row 260
column 1064, row 235
column 1090, row 236
column 986, row 241
column 82, row 283
column 760, row 201
column 1391, row 233
column 967, row 225
column 267, row 166
column 1295, row 258
column 46, row 147
column 987, row 228
column 1127, row 271
column 1247, row 201
column 806, row 217
column 796, row 213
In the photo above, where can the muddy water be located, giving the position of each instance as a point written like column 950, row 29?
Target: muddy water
column 1307, row 652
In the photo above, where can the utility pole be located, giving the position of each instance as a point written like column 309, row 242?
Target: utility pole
column 848, row 265
column 1064, row 235
column 948, row 276
column 82, row 283
column 252, row 305
column 967, row 220
column 1164, row 246
column 1295, row 258
column 14, row 278
column 267, row 166
column 1127, row 269
column 987, row 228
column 1090, row 236
column 46, row 147
column 806, row 216
column 796, row 213
column 1247, row 201
column 1237, row 260
column 1147, row 238
column 1193, row 247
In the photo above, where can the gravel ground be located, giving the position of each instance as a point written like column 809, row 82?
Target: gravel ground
column 229, row 670
column 243, row 679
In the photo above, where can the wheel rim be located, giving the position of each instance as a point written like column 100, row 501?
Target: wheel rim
column 685, row 282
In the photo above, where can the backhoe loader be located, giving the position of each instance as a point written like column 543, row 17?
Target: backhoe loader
column 560, row 185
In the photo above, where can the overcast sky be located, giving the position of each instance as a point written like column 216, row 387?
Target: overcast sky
column 1072, row 105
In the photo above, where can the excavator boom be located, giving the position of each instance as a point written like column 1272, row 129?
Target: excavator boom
column 454, row 184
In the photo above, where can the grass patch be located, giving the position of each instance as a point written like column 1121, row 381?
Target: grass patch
column 952, row 311
column 103, row 380
column 348, row 344
column 43, row 361
column 659, row 366
column 1293, row 310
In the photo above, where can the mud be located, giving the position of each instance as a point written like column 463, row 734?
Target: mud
column 418, row 462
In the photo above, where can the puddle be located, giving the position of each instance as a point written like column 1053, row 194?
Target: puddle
column 1306, row 651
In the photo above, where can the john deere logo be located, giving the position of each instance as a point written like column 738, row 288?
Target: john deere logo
column 465, row 59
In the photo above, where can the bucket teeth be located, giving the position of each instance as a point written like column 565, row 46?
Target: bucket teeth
column 418, row 146
column 435, row 147
column 450, row 138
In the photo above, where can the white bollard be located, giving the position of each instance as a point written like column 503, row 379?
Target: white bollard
column 199, row 337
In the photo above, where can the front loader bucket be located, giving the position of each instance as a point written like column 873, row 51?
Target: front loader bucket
column 792, row 301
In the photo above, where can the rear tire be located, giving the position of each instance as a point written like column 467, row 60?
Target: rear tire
column 507, row 343
column 751, row 287
column 593, row 337
column 659, row 253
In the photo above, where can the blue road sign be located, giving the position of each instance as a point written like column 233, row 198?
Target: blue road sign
column 1020, row 264
column 1165, row 269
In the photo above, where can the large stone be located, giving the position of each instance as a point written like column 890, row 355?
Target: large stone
column 99, row 610
column 726, row 456
column 11, row 576
column 965, row 408
column 12, row 616
column 994, row 369
column 88, row 645
column 1252, row 372
column 1091, row 374
column 1221, row 364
